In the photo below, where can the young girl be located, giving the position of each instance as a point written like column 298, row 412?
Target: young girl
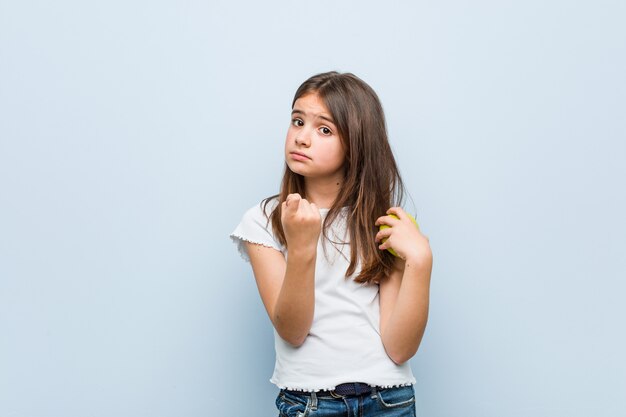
column 347, row 313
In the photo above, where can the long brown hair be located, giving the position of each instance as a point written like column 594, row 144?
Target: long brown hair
column 372, row 180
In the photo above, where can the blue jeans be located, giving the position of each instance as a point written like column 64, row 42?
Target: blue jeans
column 387, row 402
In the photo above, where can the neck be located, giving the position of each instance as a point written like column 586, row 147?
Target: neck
column 323, row 192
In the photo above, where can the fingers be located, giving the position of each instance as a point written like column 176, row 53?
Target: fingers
column 293, row 197
column 395, row 215
column 398, row 211
column 301, row 221
column 385, row 245
column 386, row 220
column 397, row 234
column 295, row 203
column 383, row 234
column 389, row 220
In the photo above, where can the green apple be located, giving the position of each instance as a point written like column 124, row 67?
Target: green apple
column 384, row 226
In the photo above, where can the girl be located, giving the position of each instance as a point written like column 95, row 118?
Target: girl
column 347, row 313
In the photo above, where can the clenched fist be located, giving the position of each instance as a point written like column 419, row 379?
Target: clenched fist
column 301, row 222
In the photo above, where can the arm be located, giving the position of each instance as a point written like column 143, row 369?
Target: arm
column 287, row 288
column 404, row 301
column 404, row 295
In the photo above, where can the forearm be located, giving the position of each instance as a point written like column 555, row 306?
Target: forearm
column 403, row 331
column 293, row 311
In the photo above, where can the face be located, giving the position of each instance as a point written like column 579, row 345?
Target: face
column 313, row 147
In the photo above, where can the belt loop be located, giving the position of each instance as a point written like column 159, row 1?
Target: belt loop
column 374, row 392
column 313, row 401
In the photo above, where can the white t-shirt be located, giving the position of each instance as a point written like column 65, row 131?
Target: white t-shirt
column 344, row 343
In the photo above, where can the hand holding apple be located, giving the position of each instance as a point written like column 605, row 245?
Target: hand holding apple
column 399, row 233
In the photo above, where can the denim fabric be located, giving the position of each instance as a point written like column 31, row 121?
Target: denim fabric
column 387, row 402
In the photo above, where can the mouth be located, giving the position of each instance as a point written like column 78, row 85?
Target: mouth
column 299, row 156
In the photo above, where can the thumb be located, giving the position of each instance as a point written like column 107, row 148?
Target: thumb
column 292, row 202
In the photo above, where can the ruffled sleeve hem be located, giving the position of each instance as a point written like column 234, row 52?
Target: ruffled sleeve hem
column 240, row 242
column 255, row 227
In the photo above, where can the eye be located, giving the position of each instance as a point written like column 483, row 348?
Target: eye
column 297, row 122
column 325, row 131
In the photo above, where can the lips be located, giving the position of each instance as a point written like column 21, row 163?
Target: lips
column 299, row 156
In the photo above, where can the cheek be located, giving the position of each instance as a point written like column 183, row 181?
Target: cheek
column 288, row 138
column 335, row 155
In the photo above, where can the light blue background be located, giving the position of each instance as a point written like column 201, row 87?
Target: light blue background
column 134, row 134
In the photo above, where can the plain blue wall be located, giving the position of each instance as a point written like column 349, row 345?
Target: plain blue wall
column 134, row 134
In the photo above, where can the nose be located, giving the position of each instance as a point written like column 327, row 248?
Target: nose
column 303, row 138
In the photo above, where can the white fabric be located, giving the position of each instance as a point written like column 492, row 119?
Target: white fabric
column 344, row 343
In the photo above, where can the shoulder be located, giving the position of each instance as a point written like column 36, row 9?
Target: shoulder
column 261, row 211
column 265, row 206
column 256, row 227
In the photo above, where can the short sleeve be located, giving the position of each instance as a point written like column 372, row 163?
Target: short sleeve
column 255, row 228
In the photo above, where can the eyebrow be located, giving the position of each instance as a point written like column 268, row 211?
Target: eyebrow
column 321, row 116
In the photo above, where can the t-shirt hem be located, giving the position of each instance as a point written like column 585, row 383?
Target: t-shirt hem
column 332, row 387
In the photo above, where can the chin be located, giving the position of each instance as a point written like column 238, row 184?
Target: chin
column 294, row 169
